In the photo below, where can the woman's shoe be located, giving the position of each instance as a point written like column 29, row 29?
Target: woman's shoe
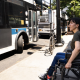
column 43, row 76
column 49, row 77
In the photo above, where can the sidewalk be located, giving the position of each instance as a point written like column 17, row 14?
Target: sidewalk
column 31, row 67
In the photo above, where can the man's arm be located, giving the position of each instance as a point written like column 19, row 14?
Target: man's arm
column 75, row 52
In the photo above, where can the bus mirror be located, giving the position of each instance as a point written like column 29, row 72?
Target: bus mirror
column 26, row 13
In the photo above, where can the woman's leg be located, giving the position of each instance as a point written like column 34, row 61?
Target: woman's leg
column 55, row 60
column 60, row 53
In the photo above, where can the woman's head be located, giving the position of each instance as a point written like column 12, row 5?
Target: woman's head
column 74, row 24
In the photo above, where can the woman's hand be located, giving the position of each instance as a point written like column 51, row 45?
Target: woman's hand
column 68, row 65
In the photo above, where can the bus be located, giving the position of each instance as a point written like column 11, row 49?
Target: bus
column 63, row 22
column 44, row 25
column 18, row 25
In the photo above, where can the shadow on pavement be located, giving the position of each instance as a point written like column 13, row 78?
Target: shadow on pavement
column 29, row 53
column 33, row 47
column 44, row 37
column 6, row 55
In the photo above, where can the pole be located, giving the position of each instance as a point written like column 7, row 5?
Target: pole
column 50, row 23
column 58, row 23
column 50, row 4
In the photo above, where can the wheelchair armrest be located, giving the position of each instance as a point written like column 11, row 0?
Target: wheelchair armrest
column 69, row 51
column 76, row 60
column 67, row 56
column 59, row 61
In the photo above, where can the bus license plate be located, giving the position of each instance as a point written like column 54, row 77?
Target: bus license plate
column 40, row 29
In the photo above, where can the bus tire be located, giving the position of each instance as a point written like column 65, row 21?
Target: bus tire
column 20, row 45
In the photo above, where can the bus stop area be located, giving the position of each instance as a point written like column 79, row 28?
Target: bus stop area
column 30, row 68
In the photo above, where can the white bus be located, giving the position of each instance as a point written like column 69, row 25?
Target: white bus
column 18, row 26
column 44, row 25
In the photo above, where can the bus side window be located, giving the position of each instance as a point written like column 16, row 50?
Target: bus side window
column 15, row 15
column 1, row 22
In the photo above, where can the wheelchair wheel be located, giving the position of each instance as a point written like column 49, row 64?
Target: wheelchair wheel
column 51, row 45
column 62, row 73
column 54, row 76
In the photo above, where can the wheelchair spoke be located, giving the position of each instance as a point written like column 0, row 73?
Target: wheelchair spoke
column 63, row 73
column 67, row 72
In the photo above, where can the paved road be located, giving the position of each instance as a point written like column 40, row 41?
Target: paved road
column 10, row 58
column 33, row 67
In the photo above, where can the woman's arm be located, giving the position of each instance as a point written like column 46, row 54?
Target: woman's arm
column 75, row 52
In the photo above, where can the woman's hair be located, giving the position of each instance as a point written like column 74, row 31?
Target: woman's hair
column 77, row 21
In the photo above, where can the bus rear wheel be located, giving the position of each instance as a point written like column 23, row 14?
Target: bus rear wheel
column 20, row 44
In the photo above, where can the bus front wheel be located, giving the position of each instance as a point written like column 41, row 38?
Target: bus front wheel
column 20, row 44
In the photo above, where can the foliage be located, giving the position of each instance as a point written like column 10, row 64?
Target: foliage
column 53, row 5
column 73, row 9
column 72, row 5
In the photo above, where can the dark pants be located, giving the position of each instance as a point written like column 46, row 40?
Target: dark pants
column 55, row 60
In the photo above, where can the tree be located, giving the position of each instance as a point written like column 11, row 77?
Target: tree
column 53, row 5
column 73, row 9
column 72, row 5
column 62, row 3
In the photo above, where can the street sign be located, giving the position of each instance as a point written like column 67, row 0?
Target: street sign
column 50, row 15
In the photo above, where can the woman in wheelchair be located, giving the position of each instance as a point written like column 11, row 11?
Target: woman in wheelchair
column 75, row 46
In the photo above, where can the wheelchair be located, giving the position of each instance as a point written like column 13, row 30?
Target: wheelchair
column 75, row 68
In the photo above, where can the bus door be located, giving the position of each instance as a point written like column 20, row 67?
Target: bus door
column 33, row 26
